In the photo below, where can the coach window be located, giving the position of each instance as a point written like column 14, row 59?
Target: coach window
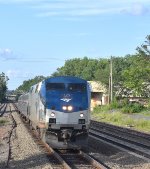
column 55, row 86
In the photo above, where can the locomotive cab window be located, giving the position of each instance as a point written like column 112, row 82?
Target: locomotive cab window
column 77, row 87
column 55, row 86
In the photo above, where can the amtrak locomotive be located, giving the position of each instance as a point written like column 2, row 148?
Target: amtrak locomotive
column 59, row 108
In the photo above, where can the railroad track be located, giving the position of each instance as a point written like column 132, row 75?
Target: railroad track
column 14, row 125
column 78, row 159
column 66, row 159
column 3, row 109
column 132, row 140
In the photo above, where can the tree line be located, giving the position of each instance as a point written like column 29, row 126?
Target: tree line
column 3, row 86
column 131, row 73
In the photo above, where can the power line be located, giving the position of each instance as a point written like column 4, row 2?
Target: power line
column 34, row 60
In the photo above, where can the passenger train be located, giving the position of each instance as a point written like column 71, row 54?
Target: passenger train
column 59, row 109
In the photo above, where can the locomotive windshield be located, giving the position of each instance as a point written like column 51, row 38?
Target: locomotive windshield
column 77, row 87
column 71, row 87
column 55, row 86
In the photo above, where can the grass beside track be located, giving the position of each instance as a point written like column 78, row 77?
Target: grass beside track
column 3, row 122
column 120, row 119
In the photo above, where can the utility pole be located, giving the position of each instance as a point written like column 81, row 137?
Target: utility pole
column 111, row 81
column 109, row 89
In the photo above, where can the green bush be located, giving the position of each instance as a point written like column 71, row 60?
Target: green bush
column 124, row 102
column 133, row 108
column 126, row 109
column 115, row 104
column 124, row 105
column 99, row 109
column 136, row 108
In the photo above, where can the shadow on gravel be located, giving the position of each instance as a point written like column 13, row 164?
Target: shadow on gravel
column 7, row 112
column 37, row 161
column 101, row 147
column 107, row 153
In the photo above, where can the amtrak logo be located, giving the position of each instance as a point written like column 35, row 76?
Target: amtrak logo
column 66, row 98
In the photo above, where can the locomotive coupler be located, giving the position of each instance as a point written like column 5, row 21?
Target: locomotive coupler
column 66, row 134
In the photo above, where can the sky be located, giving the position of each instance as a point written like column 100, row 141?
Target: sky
column 38, row 36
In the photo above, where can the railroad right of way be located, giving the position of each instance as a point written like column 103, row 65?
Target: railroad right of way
column 28, row 151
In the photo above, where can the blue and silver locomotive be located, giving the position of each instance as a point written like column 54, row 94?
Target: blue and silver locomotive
column 59, row 108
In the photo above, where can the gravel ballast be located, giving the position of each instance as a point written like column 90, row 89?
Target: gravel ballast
column 116, row 158
column 24, row 151
column 26, row 154
column 5, row 129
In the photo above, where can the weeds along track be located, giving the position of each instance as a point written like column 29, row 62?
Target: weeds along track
column 66, row 159
column 132, row 140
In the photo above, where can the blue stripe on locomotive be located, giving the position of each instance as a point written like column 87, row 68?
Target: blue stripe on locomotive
column 57, row 99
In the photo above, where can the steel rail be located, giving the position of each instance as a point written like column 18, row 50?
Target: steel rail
column 115, row 140
column 93, row 163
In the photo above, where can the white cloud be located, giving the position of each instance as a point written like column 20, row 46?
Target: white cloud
column 85, row 2
column 18, row 74
column 51, row 13
column 5, row 51
column 19, row 1
column 7, row 54
column 136, row 9
column 81, row 12
column 95, row 11
column 71, row 8
column 12, row 73
column 78, row 8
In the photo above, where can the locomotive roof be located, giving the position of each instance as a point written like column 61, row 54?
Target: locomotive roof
column 66, row 79
column 59, row 79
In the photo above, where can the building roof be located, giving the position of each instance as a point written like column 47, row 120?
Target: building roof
column 97, row 86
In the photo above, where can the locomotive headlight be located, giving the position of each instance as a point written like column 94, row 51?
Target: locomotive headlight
column 64, row 107
column 70, row 108
column 81, row 114
column 52, row 114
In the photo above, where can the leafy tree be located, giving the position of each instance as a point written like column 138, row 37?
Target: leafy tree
column 120, row 64
column 144, row 50
column 28, row 83
column 137, row 75
column 130, row 73
column 72, row 67
column 88, row 69
column 102, row 71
